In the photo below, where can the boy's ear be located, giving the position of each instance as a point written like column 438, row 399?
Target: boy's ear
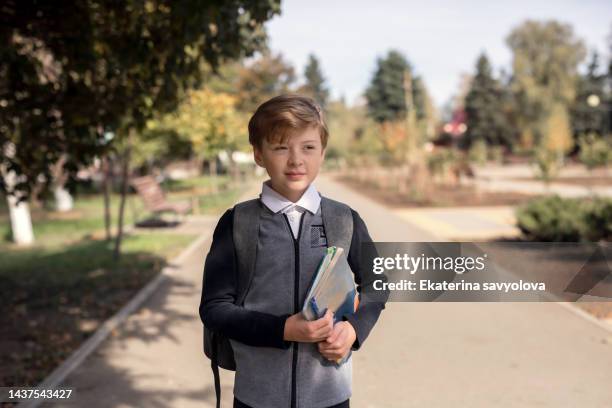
column 257, row 156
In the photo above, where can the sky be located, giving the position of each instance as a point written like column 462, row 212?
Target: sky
column 440, row 38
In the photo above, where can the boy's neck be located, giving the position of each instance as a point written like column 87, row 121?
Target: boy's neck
column 294, row 198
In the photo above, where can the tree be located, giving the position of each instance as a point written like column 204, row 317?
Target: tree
column 595, row 151
column 315, row 82
column 385, row 94
column 545, row 64
column 486, row 118
column 558, row 134
column 353, row 132
column 557, row 141
column 586, row 113
column 66, row 77
column 208, row 121
column 265, row 77
column 397, row 100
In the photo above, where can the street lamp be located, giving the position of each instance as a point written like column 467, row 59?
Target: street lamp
column 593, row 100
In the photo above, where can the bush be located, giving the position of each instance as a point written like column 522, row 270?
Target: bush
column 594, row 151
column 555, row 219
column 550, row 219
column 478, row 152
column 441, row 162
column 496, row 154
column 548, row 163
column 598, row 220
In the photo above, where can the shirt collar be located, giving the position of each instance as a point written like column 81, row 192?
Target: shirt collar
column 276, row 202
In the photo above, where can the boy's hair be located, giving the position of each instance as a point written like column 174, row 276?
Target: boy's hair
column 279, row 117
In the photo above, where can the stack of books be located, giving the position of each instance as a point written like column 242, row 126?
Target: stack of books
column 333, row 288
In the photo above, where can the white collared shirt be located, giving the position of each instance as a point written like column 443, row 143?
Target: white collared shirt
column 309, row 201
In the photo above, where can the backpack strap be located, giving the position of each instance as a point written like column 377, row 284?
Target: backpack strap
column 338, row 223
column 215, row 369
column 245, row 232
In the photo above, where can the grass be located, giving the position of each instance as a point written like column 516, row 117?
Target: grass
column 194, row 183
column 47, row 293
column 87, row 218
column 48, row 290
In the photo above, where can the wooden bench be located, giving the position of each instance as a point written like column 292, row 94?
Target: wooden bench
column 154, row 199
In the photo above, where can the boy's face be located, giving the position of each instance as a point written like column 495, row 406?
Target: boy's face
column 292, row 165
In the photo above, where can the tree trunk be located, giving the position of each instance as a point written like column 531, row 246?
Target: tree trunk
column 106, row 169
column 212, row 171
column 63, row 199
column 19, row 213
column 21, row 223
column 36, row 201
column 125, row 171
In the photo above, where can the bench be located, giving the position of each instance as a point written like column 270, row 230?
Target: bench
column 154, row 199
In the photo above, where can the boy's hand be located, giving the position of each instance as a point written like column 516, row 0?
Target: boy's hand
column 299, row 329
column 338, row 344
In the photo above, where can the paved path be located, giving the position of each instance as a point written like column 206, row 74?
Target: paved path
column 475, row 354
column 513, row 178
column 537, row 187
column 464, row 223
column 420, row 354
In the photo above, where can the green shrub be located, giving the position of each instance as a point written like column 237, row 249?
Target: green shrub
column 441, row 162
column 556, row 219
column 478, row 152
column 595, row 151
column 548, row 163
column 496, row 154
column 598, row 219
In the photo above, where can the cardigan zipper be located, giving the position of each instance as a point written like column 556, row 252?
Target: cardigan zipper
column 296, row 306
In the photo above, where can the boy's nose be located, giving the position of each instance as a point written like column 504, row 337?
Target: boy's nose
column 295, row 158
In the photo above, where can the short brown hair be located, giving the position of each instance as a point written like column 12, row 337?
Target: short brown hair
column 277, row 118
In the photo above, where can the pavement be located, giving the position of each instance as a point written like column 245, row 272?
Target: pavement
column 419, row 354
column 514, row 178
column 464, row 223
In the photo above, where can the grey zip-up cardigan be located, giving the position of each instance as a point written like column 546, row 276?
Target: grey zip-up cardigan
column 271, row 372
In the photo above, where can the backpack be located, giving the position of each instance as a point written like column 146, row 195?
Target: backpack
column 217, row 347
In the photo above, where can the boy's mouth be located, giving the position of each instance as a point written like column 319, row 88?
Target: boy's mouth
column 295, row 176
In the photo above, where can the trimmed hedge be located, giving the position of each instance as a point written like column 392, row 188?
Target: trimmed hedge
column 556, row 219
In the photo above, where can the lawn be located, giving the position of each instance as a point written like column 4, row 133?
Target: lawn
column 54, row 294
column 52, row 228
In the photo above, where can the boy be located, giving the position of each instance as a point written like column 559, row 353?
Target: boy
column 282, row 360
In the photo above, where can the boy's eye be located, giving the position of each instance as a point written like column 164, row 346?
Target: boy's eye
column 280, row 147
column 310, row 147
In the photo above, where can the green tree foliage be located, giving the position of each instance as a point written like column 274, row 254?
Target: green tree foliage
column 67, row 73
column 352, row 133
column 547, row 164
column 487, row 119
column 595, row 151
column 556, row 142
column 545, row 61
column 558, row 133
column 399, row 103
column 265, row 77
column 158, row 146
column 208, row 121
column 315, row 82
column 588, row 112
column 420, row 98
column 385, row 94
